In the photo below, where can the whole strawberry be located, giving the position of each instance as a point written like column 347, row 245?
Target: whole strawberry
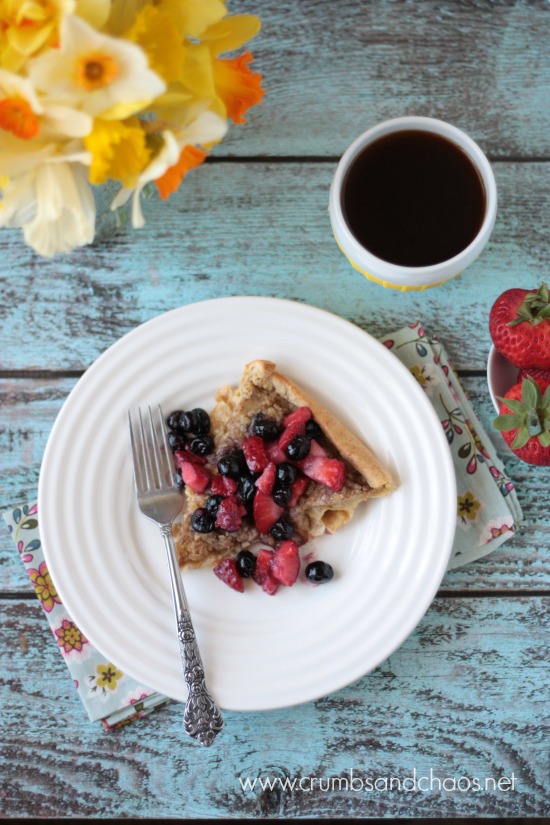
column 519, row 324
column 525, row 420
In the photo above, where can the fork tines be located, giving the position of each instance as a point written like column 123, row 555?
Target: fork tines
column 148, row 438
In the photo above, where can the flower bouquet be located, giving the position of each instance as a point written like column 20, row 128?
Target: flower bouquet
column 130, row 91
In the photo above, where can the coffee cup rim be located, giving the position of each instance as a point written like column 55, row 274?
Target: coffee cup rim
column 395, row 273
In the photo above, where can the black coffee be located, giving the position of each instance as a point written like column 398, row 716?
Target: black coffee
column 413, row 198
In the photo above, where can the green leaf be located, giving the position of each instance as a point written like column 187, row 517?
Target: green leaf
column 507, row 422
column 29, row 524
column 543, row 292
column 512, row 404
column 530, row 393
column 544, row 439
column 521, row 439
column 546, row 397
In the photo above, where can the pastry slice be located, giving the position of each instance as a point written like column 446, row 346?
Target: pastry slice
column 282, row 467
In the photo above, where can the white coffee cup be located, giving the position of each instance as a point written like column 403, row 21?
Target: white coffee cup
column 409, row 277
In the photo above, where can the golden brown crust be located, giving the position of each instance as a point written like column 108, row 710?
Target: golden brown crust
column 263, row 389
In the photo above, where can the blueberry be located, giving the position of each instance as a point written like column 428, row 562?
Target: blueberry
column 186, row 422
column 201, row 445
column 265, row 427
column 286, row 473
column 313, row 430
column 282, row 495
column 233, row 465
column 172, row 419
column 246, row 563
column 319, row 572
column 202, row 522
column 201, row 421
column 282, row 529
column 176, row 440
column 246, row 489
column 178, row 479
column 212, row 503
column 299, row 447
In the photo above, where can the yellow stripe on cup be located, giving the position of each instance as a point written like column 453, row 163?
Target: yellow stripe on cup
column 388, row 284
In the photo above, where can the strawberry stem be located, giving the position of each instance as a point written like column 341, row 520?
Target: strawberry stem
column 534, row 309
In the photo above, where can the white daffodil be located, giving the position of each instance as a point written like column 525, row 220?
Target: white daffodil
column 101, row 75
column 205, row 130
column 163, row 160
column 26, row 116
column 53, row 203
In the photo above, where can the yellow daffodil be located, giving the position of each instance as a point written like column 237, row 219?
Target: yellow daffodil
column 157, row 34
column 27, row 26
column 118, row 151
column 102, row 75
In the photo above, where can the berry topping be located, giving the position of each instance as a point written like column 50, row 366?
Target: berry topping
column 246, row 563
column 201, row 421
column 270, row 585
column 172, row 419
column 266, row 512
column 275, row 453
column 176, row 441
column 295, row 428
column 263, row 565
column 265, row 427
column 212, row 503
column 328, row 471
column 282, row 495
column 178, row 478
column 187, row 455
column 299, row 447
column 282, row 529
column 285, row 564
column 229, row 516
column 233, row 465
column 313, row 429
column 246, row 489
column 185, row 423
column 255, row 454
column 201, row 521
column 201, row 445
column 301, row 414
column 224, row 486
column 298, row 488
column 286, row 473
column 267, row 479
column 316, row 449
column 226, row 570
column 195, row 476
column 319, row 572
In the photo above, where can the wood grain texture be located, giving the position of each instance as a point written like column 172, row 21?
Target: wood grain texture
column 461, row 696
column 333, row 70
column 28, row 409
column 260, row 229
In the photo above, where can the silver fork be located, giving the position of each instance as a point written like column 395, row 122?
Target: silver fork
column 160, row 500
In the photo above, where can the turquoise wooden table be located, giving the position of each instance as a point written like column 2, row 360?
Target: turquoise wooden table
column 467, row 693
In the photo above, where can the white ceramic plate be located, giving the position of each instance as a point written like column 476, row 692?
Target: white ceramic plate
column 259, row 651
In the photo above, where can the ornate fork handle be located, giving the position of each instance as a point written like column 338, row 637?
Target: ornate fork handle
column 202, row 718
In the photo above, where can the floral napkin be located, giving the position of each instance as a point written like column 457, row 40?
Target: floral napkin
column 488, row 513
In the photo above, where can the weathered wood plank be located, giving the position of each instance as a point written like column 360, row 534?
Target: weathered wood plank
column 28, row 409
column 332, row 70
column 461, row 697
column 254, row 228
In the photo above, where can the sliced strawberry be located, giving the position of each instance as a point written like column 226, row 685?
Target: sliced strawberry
column 316, row 449
column 275, row 453
column 187, row 455
column 226, row 570
column 255, row 453
column 295, row 428
column 266, row 512
column 224, row 486
column 328, row 471
column 229, row 515
column 270, row 585
column 302, row 414
column 263, row 565
column 298, row 487
column 195, row 476
column 285, row 564
column 267, row 479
